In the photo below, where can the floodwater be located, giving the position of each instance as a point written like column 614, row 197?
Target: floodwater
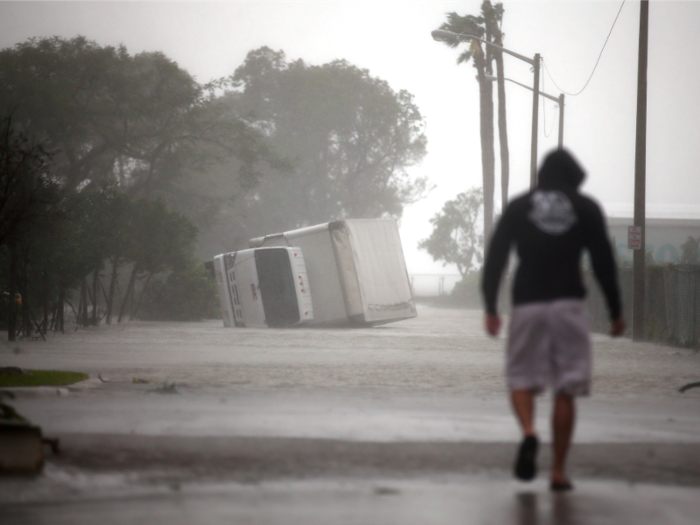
column 408, row 422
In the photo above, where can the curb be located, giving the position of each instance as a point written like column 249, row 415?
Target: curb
column 85, row 385
column 30, row 392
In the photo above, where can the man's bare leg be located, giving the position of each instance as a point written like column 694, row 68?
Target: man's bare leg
column 525, row 468
column 523, row 402
column 563, row 420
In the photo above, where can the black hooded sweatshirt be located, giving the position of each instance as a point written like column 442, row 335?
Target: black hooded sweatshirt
column 550, row 227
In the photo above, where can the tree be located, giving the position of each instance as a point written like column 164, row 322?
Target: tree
column 26, row 187
column 493, row 18
column 690, row 251
column 348, row 137
column 27, row 195
column 55, row 253
column 455, row 239
column 119, row 128
column 57, row 88
column 89, row 241
column 487, row 27
column 188, row 293
column 140, row 121
column 161, row 240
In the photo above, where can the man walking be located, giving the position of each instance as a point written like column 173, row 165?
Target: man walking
column 548, row 339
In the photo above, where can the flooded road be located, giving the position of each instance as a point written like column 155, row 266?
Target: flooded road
column 406, row 422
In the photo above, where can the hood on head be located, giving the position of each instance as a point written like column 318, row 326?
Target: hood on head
column 560, row 169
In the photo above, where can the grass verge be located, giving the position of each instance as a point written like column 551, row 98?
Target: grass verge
column 42, row 378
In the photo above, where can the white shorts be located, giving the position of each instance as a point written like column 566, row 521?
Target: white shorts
column 549, row 344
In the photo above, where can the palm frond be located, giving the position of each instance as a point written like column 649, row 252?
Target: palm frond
column 468, row 24
column 464, row 57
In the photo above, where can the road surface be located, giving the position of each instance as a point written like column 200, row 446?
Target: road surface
column 404, row 423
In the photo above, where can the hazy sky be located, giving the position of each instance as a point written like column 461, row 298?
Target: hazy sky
column 392, row 40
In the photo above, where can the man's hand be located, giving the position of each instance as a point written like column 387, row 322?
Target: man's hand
column 617, row 327
column 493, row 324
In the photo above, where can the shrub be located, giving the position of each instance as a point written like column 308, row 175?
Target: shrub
column 187, row 294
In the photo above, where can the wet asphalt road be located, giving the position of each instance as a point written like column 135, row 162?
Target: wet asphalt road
column 405, row 423
column 468, row 502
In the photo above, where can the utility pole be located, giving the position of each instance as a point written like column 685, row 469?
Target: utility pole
column 640, row 176
column 535, row 117
column 559, row 100
column 441, row 36
column 561, row 121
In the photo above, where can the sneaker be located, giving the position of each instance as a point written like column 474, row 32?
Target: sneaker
column 525, row 465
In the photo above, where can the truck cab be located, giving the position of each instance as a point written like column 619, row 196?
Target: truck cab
column 263, row 287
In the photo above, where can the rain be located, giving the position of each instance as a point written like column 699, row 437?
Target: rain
column 199, row 128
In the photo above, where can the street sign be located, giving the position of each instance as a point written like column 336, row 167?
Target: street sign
column 634, row 237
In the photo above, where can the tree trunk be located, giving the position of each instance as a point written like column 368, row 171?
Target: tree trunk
column 12, row 289
column 95, row 298
column 83, row 308
column 488, row 160
column 129, row 294
column 22, row 288
column 45, row 306
column 60, row 310
column 112, row 289
column 502, row 130
column 52, row 322
column 143, row 292
column 30, row 322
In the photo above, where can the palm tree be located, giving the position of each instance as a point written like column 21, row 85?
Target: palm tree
column 493, row 16
column 487, row 27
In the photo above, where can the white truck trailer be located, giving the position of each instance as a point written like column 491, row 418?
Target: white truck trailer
column 340, row 273
column 356, row 270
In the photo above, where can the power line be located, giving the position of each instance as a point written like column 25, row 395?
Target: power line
column 544, row 120
column 597, row 61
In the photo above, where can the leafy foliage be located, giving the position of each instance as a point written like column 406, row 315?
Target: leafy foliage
column 187, row 294
column 158, row 240
column 140, row 121
column 467, row 292
column 92, row 142
column 109, row 160
column 347, row 135
column 27, row 190
column 89, row 229
column 690, row 251
column 455, row 238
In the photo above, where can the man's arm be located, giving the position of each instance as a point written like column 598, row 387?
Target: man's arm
column 492, row 324
column 605, row 269
column 496, row 260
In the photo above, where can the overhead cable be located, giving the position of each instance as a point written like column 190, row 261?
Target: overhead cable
column 597, row 61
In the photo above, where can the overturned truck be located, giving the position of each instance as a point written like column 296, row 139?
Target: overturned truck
column 347, row 272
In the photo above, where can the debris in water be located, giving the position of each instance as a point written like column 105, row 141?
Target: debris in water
column 167, row 388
